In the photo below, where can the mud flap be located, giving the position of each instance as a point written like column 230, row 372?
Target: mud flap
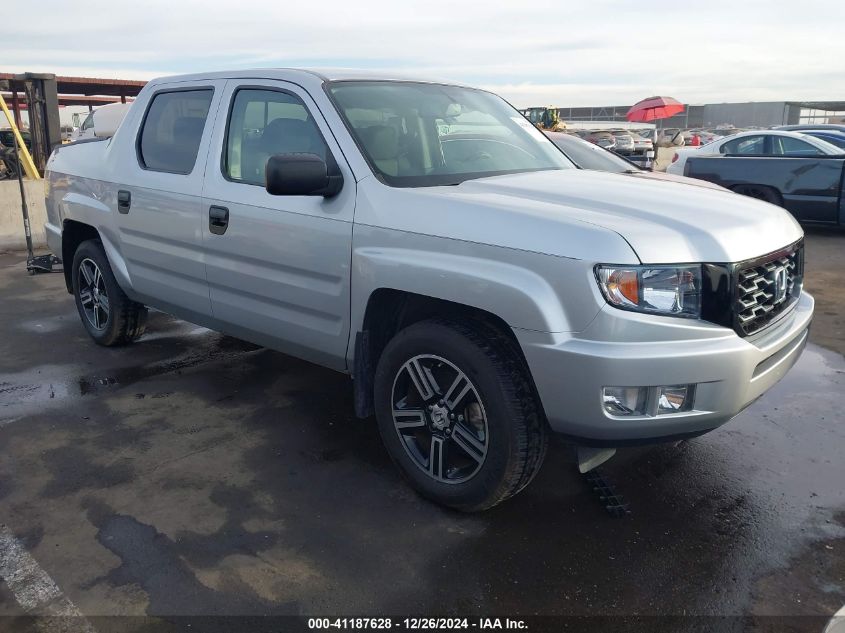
column 589, row 458
column 362, row 376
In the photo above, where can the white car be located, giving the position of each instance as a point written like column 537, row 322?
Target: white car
column 670, row 137
column 102, row 122
column 642, row 144
column 624, row 141
column 709, row 136
column 85, row 130
column 756, row 142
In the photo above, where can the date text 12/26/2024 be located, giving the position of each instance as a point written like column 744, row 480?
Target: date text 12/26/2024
column 416, row 624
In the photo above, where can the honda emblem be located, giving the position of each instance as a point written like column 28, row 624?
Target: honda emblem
column 781, row 285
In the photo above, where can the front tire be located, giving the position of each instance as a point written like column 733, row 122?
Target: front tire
column 458, row 414
column 110, row 317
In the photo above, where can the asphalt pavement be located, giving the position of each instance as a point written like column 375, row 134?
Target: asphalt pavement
column 192, row 474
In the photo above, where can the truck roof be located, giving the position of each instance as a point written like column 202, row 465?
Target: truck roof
column 299, row 75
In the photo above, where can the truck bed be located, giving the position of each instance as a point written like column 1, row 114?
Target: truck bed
column 810, row 188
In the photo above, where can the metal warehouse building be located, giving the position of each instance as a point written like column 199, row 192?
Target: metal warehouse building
column 752, row 114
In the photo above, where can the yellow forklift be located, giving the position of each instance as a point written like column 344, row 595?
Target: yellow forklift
column 42, row 102
column 546, row 119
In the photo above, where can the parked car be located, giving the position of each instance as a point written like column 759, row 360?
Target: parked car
column 833, row 137
column 646, row 133
column 102, row 122
column 726, row 131
column 831, row 127
column 669, row 137
column 589, row 156
column 624, row 142
column 809, row 187
column 688, row 134
column 602, row 139
column 66, row 133
column 85, row 129
column 708, row 136
column 481, row 292
column 642, row 144
column 7, row 138
column 755, row 142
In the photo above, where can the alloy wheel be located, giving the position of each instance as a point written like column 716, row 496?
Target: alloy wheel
column 93, row 294
column 440, row 419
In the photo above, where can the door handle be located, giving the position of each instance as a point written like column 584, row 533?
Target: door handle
column 218, row 219
column 124, row 201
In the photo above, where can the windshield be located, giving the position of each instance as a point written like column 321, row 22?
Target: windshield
column 589, row 156
column 418, row 135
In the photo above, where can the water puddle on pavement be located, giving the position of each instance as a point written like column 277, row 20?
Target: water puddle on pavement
column 45, row 325
column 46, row 387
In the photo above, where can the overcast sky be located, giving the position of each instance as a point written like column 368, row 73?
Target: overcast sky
column 600, row 52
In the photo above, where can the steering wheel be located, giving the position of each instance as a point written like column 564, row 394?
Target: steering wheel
column 479, row 155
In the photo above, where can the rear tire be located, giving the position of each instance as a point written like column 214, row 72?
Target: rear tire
column 458, row 413
column 110, row 317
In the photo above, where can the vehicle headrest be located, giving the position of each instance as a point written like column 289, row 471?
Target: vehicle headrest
column 284, row 136
column 188, row 129
column 381, row 141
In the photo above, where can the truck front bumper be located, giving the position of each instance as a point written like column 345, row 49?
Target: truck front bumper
column 626, row 349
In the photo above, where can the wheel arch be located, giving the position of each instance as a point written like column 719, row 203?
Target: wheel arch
column 388, row 311
column 743, row 188
column 75, row 233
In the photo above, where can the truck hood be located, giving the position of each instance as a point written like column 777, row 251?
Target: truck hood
column 663, row 221
column 664, row 177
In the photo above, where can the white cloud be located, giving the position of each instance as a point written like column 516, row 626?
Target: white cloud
column 538, row 53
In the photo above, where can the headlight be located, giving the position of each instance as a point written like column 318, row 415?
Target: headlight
column 671, row 290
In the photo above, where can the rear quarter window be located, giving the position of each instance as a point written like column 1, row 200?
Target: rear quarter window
column 172, row 130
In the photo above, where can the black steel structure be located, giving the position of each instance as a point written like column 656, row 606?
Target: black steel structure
column 43, row 98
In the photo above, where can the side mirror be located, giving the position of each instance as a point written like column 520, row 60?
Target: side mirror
column 302, row 175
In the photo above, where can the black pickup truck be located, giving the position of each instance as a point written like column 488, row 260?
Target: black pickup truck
column 812, row 188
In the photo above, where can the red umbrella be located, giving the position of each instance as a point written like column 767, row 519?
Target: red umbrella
column 654, row 108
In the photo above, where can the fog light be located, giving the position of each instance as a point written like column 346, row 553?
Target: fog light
column 625, row 400
column 675, row 399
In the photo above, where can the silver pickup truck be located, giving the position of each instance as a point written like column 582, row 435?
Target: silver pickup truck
column 426, row 239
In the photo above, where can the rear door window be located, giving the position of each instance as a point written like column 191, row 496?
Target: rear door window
column 787, row 146
column 172, row 130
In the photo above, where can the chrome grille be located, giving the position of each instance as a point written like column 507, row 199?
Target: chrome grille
column 767, row 289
